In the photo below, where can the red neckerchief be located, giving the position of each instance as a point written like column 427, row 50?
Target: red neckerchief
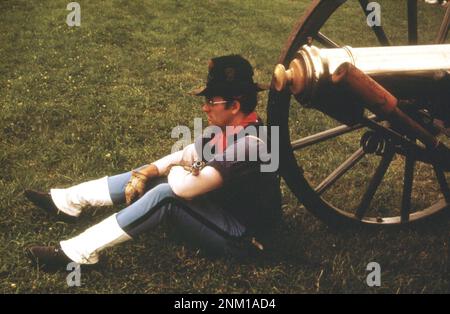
column 222, row 140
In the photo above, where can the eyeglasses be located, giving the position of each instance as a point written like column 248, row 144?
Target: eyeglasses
column 211, row 103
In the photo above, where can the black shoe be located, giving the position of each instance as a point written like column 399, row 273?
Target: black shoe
column 49, row 258
column 44, row 201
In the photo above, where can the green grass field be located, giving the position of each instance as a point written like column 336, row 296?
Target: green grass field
column 78, row 103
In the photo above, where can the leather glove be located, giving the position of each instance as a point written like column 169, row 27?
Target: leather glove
column 135, row 187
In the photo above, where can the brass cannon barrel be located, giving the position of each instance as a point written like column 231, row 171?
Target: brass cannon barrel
column 406, row 71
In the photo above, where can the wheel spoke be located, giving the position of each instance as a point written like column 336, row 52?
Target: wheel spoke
column 322, row 136
column 326, row 41
column 390, row 133
column 340, row 171
column 328, row 134
column 442, row 183
column 443, row 30
column 407, row 188
column 378, row 30
column 412, row 22
column 374, row 184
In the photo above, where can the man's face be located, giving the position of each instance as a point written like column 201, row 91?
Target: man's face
column 217, row 113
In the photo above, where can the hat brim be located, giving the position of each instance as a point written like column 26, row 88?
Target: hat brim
column 201, row 91
column 205, row 91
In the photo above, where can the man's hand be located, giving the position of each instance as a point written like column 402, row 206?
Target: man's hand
column 135, row 187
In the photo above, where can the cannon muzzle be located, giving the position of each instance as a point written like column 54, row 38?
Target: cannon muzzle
column 406, row 71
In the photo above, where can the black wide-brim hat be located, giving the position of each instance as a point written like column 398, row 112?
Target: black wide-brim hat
column 229, row 76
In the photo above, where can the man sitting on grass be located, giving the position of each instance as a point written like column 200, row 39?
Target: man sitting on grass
column 221, row 207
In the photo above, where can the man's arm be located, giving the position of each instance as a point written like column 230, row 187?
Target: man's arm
column 162, row 166
column 188, row 186
column 135, row 187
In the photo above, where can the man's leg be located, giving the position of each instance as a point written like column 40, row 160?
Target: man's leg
column 208, row 227
column 200, row 222
column 82, row 249
column 105, row 191
column 73, row 200
column 117, row 184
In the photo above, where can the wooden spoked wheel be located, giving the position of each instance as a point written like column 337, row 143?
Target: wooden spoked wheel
column 328, row 166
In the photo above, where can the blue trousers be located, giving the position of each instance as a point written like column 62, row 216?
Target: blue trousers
column 200, row 221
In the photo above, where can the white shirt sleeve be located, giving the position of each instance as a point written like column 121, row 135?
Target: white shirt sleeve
column 188, row 186
column 183, row 157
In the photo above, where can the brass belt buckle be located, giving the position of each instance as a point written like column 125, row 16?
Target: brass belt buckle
column 197, row 166
column 257, row 244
